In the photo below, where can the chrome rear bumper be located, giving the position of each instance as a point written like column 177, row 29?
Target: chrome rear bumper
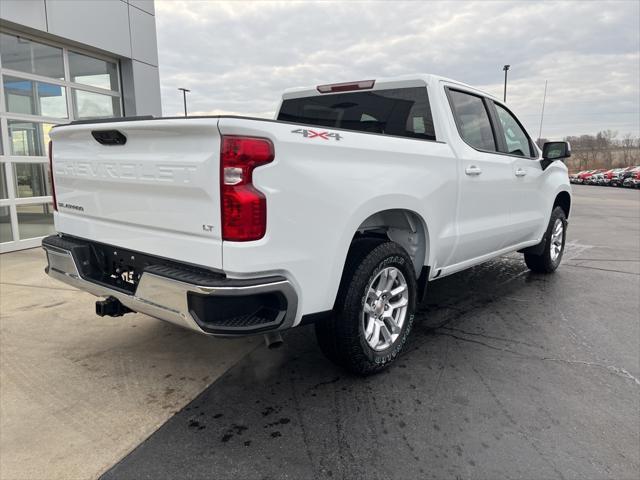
column 166, row 293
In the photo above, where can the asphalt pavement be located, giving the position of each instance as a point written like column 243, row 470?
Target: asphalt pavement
column 507, row 374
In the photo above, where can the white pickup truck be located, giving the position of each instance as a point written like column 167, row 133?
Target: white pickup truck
column 338, row 212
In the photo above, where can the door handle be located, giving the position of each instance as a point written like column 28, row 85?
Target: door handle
column 521, row 172
column 473, row 170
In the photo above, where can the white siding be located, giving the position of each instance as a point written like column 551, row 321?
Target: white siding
column 30, row 13
column 146, row 5
column 103, row 24
column 144, row 46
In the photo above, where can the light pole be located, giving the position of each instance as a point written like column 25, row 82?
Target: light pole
column 184, row 99
column 506, row 69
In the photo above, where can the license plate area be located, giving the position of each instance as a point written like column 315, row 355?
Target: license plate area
column 124, row 270
column 118, row 268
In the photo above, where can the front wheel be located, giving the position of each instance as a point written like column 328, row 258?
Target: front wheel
column 374, row 309
column 553, row 249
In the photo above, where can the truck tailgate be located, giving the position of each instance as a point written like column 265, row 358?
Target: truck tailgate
column 158, row 193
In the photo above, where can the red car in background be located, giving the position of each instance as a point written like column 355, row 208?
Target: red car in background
column 579, row 177
column 606, row 176
column 588, row 178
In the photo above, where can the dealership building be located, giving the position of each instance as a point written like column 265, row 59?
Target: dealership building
column 64, row 60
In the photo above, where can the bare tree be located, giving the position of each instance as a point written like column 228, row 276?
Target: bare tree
column 541, row 141
column 603, row 150
column 627, row 146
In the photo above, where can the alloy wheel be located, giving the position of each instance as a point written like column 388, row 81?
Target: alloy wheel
column 557, row 240
column 385, row 308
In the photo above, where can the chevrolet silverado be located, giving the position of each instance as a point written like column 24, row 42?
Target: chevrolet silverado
column 338, row 212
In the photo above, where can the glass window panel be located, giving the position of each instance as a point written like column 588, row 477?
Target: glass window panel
column 31, row 57
column 94, row 72
column 31, row 179
column 95, row 105
column 34, row 98
column 401, row 111
column 26, row 138
column 473, row 120
column 6, row 233
column 35, row 220
column 3, row 183
column 515, row 137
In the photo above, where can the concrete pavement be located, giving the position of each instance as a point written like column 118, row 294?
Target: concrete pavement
column 78, row 391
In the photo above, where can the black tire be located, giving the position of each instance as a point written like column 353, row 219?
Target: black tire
column 342, row 337
column 545, row 262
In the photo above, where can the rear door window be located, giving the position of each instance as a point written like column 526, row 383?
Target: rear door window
column 472, row 120
column 401, row 112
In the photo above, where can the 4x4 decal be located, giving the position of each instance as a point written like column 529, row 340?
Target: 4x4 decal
column 313, row 134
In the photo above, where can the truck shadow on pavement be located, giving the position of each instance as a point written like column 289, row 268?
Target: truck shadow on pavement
column 457, row 403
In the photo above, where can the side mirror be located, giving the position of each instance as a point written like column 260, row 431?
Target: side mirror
column 552, row 151
column 556, row 150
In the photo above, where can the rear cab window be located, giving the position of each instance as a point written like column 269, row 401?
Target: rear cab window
column 403, row 112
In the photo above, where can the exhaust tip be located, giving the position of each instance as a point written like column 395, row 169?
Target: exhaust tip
column 273, row 340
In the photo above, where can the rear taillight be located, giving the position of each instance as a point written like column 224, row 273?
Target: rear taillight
column 53, row 187
column 243, row 207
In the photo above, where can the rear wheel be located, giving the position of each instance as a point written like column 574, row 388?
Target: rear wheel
column 374, row 309
column 553, row 248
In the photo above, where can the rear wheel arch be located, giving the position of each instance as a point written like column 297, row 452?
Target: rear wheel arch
column 402, row 226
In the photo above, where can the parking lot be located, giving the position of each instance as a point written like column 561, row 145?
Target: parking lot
column 507, row 375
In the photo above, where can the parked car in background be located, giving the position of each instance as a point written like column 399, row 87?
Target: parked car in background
column 606, row 176
column 597, row 178
column 592, row 178
column 588, row 176
column 616, row 177
column 629, row 172
column 632, row 178
column 583, row 176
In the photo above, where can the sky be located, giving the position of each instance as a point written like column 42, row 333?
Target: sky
column 237, row 57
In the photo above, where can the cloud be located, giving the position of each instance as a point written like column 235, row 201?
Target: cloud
column 239, row 56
